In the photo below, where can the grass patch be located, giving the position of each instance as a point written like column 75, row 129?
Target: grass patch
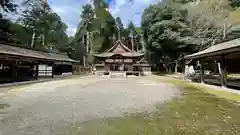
column 194, row 113
column 3, row 106
column 220, row 93
column 233, row 76
column 223, row 94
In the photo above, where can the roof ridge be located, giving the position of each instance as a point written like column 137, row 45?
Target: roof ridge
column 20, row 51
column 115, row 45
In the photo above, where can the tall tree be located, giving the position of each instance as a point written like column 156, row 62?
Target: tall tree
column 105, row 22
column 167, row 36
column 48, row 30
column 8, row 5
column 235, row 3
column 82, row 41
column 133, row 36
column 120, row 27
column 211, row 21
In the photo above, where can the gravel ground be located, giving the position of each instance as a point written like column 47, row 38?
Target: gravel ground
column 42, row 108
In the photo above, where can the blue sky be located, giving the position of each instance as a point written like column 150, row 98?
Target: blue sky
column 70, row 11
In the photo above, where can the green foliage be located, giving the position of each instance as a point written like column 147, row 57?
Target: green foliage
column 20, row 34
column 133, row 31
column 166, row 33
column 5, row 32
column 8, row 5
column 38, row 18
column 49, row 29
column 78, row 42
column 119, row 23
column 235, row 3
column 183, row 1
column 173, row 28
column 95, row 30
column 209, row 20
column 120, row 27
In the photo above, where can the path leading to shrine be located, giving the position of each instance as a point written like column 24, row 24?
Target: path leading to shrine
column 43, row 108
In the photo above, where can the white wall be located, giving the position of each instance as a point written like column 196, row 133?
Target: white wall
column 44, row 70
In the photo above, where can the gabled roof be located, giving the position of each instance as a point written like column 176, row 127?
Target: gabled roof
column 119, row 47
column 18, row 51
column 219, row 49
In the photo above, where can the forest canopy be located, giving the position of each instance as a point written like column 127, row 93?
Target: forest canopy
column 169, row 29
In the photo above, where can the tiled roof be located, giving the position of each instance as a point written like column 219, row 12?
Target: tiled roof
column 125, row 54
column 219, row 49
column 119, row 49
column 17, row 51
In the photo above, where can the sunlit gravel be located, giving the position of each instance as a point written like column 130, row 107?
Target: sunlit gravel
column 43, row 108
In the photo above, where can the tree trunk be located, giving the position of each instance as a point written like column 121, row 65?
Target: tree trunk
column 33, row 39
column 170, row 69
column 166, row 68
column 132, row 42
column 176, row 66
column 224, row 31
column 87, row 47
column 84, row 55
column 43, row 40
column 87, row 42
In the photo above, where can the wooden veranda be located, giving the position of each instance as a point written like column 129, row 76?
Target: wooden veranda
column 219, row 64
column 20, row 64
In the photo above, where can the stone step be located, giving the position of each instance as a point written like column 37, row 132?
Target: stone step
column 117, row 74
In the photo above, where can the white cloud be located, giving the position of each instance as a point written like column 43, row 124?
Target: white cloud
column 144, row 1
column 70, row 11
column 71, row 31
column 117, row 7
column 121, row 2
column 58, row 10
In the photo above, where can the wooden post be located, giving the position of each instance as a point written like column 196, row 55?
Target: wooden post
column 201, row 72
column 184, row 63
column 14, row 71
column 36, row 71
column 73, row 68
column 223, row 78
column 183, row 66
column 53, row 70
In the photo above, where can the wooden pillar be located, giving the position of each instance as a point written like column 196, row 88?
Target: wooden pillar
column 183, row 66
column 184, row 69
column 36, row 71
column 72, row 68
column 53, row 68
column 14, row 71
column 223, row 77
column 201, row 71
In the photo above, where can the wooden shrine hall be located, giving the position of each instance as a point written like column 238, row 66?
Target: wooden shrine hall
column 20, row 64
column 218, row 64
column 119, row 59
